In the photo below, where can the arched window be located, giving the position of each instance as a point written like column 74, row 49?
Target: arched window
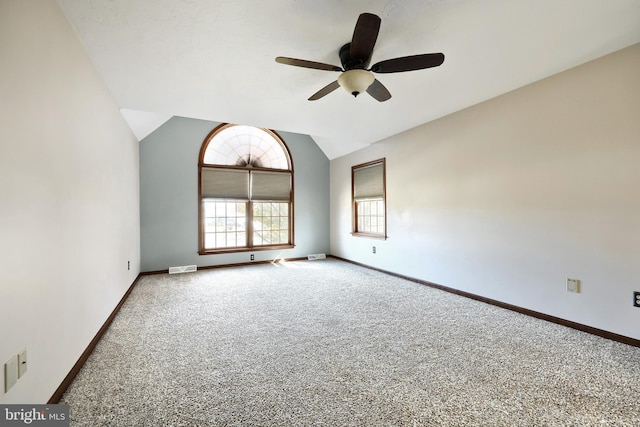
column 245, row 190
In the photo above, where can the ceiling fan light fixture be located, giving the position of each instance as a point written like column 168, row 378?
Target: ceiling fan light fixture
column 356, row 81
column 355, row 56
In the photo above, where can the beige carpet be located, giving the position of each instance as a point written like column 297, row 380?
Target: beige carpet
column 329, row 343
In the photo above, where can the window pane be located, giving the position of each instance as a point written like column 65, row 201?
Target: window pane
column 370, row 216
column 366, row 223
column 209, row 240
column 270, row 225
column 232, row 239
column 284, row 223
column 208, row 209
column 226, row 219
column 231, row 209
column 270, row 209
column 257, row 238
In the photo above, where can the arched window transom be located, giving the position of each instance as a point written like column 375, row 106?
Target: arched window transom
column 239, row 145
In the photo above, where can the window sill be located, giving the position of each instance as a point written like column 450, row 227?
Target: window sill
column 370, row 235
column 244, row 249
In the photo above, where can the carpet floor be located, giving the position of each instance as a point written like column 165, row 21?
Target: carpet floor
column 328, row 343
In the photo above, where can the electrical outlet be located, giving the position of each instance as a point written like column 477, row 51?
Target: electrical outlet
column 22, row 363
column 128, row 265
column 253, row 257
column 636, row 299
column 10, row 373
column 374, row 249
column 573, row 285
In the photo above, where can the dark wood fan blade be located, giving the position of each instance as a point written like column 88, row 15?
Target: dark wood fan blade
column 325, row 91
column 364, row 37
column 307, row 64
column 378, row 91
column 408, row 63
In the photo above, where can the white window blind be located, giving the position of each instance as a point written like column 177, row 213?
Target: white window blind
column 368, row 182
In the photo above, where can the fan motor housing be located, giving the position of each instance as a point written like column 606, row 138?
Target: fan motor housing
column 349, row 63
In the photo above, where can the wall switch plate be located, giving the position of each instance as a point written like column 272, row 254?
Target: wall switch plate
column 636, row 299
column 22, row 363
column 573, row 285
column 10, row 373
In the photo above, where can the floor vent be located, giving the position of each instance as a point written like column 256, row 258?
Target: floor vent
column 182, row 269
column 316, row 256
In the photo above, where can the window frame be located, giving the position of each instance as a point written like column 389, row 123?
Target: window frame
column 250, row 247
column 355, row 228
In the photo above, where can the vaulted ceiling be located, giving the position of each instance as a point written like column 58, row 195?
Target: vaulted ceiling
column 214, row 59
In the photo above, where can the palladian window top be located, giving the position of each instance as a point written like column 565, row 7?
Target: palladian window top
column 245, row 146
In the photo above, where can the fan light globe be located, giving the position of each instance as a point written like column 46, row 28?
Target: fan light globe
column 356, row 81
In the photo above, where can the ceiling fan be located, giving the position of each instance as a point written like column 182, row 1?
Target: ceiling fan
column 355, row 57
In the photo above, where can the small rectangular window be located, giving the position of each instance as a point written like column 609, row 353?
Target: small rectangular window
column 368, row 188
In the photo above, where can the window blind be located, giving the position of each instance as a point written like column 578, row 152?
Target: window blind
column 368, row 182
column 225, row 184
column 270, row 186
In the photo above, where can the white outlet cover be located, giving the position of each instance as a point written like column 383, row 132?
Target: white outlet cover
column 10, row 373
column 573, row 285
column 22, row 363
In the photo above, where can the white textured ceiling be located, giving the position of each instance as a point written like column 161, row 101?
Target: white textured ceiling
column 214, row 59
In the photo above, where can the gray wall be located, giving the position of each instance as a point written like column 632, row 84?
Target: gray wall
column 169, row 198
